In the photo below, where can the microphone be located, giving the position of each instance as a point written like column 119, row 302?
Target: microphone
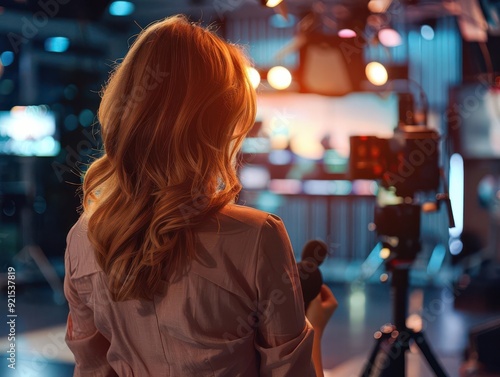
column 315, row 251
column 311, row 280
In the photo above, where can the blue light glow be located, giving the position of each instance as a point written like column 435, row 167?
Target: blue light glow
column 256, row 145
column 427, row 32
column 71, row 122
column 86, row 117
column 121, row 8
column 7, row 58
column 457, row 193
column 456, row 246
column 56, row 44
column 254, row 177
column 372, row 262
column 280, row 157
column 342, row 188
column 28, row 131
column 436, row 260
column 269, row 201
column 316, row 187
column 279, row 22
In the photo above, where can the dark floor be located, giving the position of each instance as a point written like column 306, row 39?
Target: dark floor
column 362, row 310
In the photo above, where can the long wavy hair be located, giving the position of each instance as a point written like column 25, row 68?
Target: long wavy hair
column 173, row 116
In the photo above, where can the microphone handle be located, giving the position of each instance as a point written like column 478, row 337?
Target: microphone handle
column 311, row 280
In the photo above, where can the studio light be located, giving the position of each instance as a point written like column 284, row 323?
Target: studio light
column 56, row 44
column 389, row 37
column 254, row 77
column 7, row 58
column 385, row 253
column 270, row 3
column 279, row 77
column 457, row 189
column 378, row 6
column 347, row 33
column 121, row 8
column 376, row 73
column 427, row 32
column 456, row 246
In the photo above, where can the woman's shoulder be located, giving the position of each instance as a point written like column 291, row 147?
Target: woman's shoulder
column 78, row 232
column 79, row 251
column 247, row 216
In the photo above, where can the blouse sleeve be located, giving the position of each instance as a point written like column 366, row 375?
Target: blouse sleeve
column 284, row 338
column 86, row 343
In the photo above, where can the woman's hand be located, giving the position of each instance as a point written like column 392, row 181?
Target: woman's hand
column 318, row 313
column 321, row 309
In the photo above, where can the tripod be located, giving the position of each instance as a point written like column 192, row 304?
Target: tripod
column 388, row 356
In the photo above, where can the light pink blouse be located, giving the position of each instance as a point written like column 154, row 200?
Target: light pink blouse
column 238, row 311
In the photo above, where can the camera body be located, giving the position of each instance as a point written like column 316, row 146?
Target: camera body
column 404, row 164
column 409, row 161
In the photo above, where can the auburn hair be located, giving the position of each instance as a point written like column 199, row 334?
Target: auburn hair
column 173, row 116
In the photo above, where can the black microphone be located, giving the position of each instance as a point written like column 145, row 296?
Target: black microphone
column 311, row 280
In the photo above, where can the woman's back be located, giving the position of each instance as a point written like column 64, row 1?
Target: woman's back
column 237, row 311
column 164, row 275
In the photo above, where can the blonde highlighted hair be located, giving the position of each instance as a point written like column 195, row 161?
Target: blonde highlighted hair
column 173, row 116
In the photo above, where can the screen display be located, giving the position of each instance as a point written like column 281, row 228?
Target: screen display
column 474, row 120
column 28, row 131
column 300, row 140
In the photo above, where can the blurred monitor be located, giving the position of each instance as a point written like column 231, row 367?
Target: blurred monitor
column 28, row 131
column 303, row 137
column 474, row 120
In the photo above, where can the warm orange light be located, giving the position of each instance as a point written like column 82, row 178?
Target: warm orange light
column 385, row 253
column 18, row 109
column 254, row 77
column 279, row 77
column 376, row 73
column 378, row 6
column 273, row 3
column 307, row 146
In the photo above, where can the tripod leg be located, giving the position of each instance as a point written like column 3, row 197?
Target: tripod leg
column 367, row 371
column 397, row 364
column 429, row 356
column 386, row 360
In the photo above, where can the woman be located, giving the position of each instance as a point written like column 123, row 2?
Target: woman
column 165, row 276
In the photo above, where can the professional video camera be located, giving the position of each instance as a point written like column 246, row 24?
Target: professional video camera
column 409, row 161
column 406, row 164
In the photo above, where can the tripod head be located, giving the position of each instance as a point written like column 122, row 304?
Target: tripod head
column 397, row 222
column 398, row 227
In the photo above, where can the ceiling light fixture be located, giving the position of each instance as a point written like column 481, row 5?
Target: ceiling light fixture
column 270, row 3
